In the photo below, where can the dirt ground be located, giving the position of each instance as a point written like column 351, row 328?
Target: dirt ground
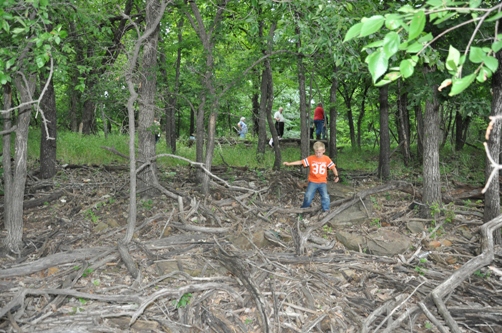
column 229, row 261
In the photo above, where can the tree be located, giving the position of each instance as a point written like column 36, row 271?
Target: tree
column 29, row 49
column 147, row 93
column 384, row 157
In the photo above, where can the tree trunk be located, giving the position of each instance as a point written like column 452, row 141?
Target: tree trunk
column 88, row 117
column 403, row 123
column 206, row 37
column 431, row 175
column 332, row 152
column 420, row 131
column 148, row 84
column 304, row 114
column 461, row 127
column 362, row 112
column 384, row 159
column 6, row 156
column 14, row 226
column 492, row 195
column 266, row 104
column 48, row 129
column 172, row 99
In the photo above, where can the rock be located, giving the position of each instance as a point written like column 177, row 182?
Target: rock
column 242, row 242
column 384, row 242
column 101, row 226
column 415, row 227
column 387, row 243
column 350, row 241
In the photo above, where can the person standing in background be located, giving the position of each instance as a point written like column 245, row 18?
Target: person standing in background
column 156, row 129
column 279, row 123
column 318, row 120
column 243, row 128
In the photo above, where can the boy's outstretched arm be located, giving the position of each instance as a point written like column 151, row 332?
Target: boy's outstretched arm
column 293, row 163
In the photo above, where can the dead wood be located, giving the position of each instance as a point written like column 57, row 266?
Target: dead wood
column 195, row 278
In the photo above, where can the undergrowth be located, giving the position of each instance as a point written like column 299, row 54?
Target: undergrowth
column 466, row 166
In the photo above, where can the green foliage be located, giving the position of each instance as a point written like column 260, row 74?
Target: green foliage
column 147, row 204
column 327, row 230
column 408, row 39
column 87, row 272
column 92, row 216
column 482, row 275
column 376, row 223
column 183, row 301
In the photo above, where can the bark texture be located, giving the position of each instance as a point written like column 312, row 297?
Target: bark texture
column 432, row 136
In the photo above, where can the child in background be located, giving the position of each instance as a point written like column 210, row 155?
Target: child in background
column 318, row 175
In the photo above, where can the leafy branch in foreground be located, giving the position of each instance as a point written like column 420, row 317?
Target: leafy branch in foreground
column 407, row 36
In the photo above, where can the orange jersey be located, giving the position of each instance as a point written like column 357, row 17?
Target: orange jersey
column 318, row 168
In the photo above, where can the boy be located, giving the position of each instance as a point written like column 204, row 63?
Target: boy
column 318, row 175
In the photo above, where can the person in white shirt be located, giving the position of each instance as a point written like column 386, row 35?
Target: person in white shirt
column 279, row 123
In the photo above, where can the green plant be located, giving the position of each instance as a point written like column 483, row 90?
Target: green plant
column 376, row 223
column 147, row 204
column 248, row 321
column 92, row 216
column 82, row 301
column 327, row 230
column 428, row 325
column 482, row 275
column 183, row 301
column 375, row 203
column 96, row 282
column 420, row 270
column 87, row 272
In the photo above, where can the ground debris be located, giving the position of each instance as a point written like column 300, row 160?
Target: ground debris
column 230, row 262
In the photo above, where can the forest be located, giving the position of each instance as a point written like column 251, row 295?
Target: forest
column 145, row 245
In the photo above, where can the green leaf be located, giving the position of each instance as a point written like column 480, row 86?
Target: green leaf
column 474, row 3
column 5, row 26
column 476, row 55
column 483, row 75
column 491, row 62
column 371, row 25
column 425, row 38
column 375, row 44
column 461, row 84
column 393, row 21
column 453, row 59
column 406, row 9
column 382, row 83
column 406, row 68
column 414, row 48
column 10, row 63
column 494, row 17
column 391, row 44
column 354, row 31
column 17, row 31
column 377, row 64
column 4, row 78
column 40, row 61
column 417, row 25
column 496, row 46
column 435, row 3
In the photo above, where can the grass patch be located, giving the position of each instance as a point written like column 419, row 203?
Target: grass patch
column 466, row 166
